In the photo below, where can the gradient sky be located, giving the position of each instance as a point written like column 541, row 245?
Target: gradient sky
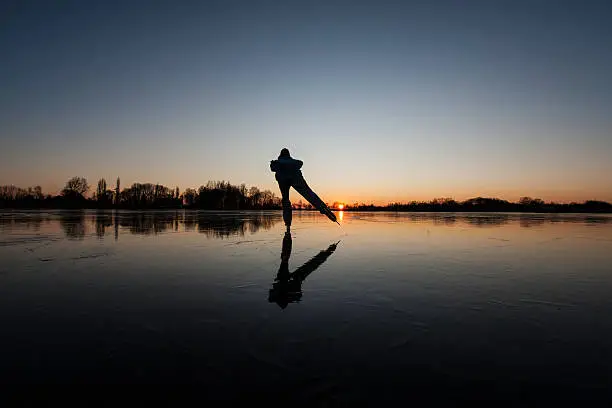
column 383, row 101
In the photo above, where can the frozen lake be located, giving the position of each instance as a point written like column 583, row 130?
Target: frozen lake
column 388, row 305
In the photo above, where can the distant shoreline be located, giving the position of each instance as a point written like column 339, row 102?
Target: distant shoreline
column 378, row 210
column 224, row 196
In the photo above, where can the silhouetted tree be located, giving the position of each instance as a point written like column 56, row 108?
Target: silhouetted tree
column 11, row 193
column 117, row 191
column 531, row 202
column 101, row 190
column 189, row 197
column 596, row 206
column 73, row 193
column 148, row 196
column 38, row 194
column 76, row 186
column 104, row 197
column 254, row 197
column 241, row 197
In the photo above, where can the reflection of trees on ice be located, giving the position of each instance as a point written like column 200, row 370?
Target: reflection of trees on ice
column 76, row 224
column 73, row 225
column 213, row 225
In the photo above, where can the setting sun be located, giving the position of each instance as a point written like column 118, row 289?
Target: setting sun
column 340, row 206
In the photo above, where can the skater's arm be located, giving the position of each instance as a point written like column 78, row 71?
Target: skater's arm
column 274, row 165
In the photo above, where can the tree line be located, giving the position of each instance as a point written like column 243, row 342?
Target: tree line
column 215, row 195
column 484, row 204
column 222, row 195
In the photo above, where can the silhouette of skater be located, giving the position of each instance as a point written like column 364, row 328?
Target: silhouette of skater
column 287, row 287
column 288, row 174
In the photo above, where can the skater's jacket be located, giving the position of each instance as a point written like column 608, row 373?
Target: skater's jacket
column 286, row 167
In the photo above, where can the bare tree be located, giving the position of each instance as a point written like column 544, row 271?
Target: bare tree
column 38, row 194
column 531, row 202
column 76, row 186
column 255, row 196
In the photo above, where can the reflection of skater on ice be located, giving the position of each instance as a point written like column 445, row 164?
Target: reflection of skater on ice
column 287, row 287
column 288, row 174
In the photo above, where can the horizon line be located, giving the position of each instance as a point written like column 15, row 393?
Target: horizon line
column 90, row 194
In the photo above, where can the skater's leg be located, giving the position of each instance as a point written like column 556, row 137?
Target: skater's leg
column 284, row 188
column 302, row 187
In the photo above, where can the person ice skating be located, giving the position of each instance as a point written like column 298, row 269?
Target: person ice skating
column 288, row 174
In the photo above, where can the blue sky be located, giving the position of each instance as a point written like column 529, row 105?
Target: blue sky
column 383, row 101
